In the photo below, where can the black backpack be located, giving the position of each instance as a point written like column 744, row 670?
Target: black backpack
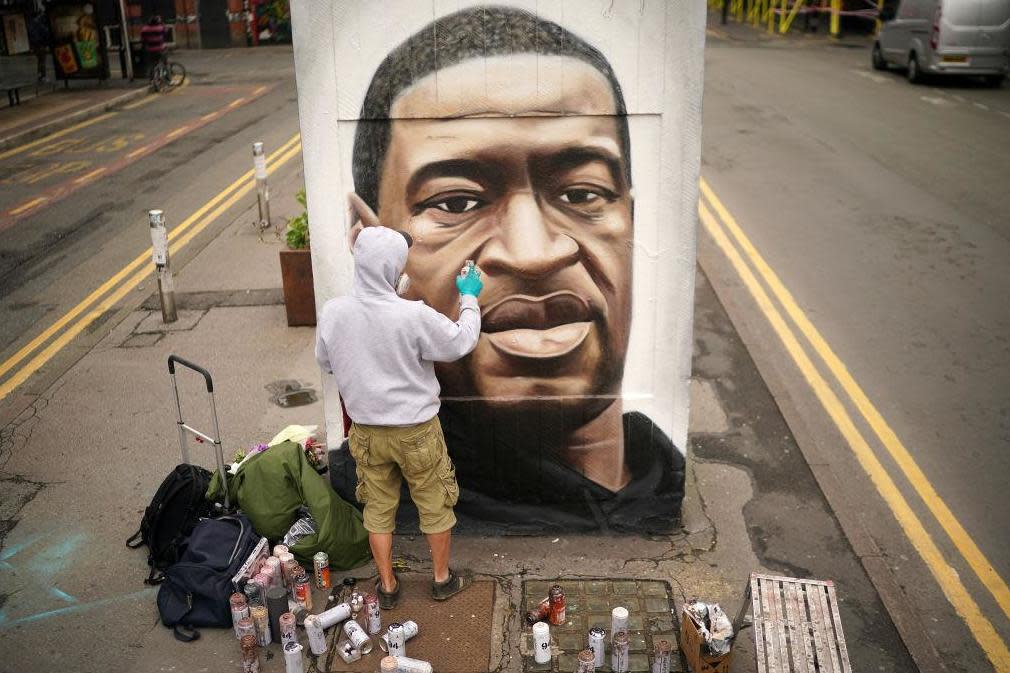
column 196, row 589
column 179, row 503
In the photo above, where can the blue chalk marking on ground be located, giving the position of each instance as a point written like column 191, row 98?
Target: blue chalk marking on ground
column 55, row 558
column 71, row 609
column 11, row 551
column 62, row 595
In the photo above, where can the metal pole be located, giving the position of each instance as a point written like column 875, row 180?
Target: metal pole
column 836, row 23
column 262, row 189
column 159, row 250
column 126, row 39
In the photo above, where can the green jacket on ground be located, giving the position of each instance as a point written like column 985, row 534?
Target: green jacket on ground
column 270, row 487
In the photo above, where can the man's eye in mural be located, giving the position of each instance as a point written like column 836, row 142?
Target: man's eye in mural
column 578, row 196
column 451, row 204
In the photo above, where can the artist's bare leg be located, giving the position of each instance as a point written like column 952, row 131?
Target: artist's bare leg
column 382, row 553
column 440, row 544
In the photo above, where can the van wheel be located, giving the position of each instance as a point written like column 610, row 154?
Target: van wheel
column 994, row 81
column 878, row 58
column 914, row 74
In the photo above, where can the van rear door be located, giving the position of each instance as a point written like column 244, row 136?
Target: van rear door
column 974, row 28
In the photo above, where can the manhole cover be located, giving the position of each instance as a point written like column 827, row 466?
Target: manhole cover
column 454, row 636
column 588, row 604
column 289, row 393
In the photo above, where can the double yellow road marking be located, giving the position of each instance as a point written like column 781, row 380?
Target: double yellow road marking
column 743, row 256
column 40, row 349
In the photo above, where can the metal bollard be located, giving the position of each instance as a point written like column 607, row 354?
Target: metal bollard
column 262, row 189
column 159, row 247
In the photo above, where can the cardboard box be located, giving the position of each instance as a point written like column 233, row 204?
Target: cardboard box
column 692, row 645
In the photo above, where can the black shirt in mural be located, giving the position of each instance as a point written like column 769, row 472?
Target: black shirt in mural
column 510, row 484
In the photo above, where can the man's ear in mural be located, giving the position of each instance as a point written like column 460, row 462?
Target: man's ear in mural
column 361, row 215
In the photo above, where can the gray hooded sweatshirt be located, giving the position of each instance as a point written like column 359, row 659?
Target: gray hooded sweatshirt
column 381, row 348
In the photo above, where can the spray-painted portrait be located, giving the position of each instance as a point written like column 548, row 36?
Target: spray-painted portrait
column 503, row 135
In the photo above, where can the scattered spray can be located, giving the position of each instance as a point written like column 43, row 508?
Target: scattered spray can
column 586, row 662
column 597, row 638
column 396, row 641
column 335, row 615
column 618, row 622
column 409, row 631
column 372, row 615
column 293, row 661
column 261, row 620
column 662, row 653
column 317, row 639
column 541, row 612
column 357, row 636
column 407, row 665
column 289, row 633
column 321, row 570
column 239, row 609
column 556, row 597
column 541, row 643
column 619, row 654
column 387, row 665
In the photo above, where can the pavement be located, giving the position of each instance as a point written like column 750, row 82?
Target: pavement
column 82, row 453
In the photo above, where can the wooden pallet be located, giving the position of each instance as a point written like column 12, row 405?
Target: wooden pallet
column 797, row 628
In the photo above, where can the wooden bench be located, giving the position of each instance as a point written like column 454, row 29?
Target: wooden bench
column 17, row 72
column 797, row 628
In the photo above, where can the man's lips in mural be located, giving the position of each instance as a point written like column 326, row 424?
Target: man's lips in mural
column 538, row 327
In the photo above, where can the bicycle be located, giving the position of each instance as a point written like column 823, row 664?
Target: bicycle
column 167, row 75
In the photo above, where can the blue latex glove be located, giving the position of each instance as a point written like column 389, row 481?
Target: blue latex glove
column 470, row 283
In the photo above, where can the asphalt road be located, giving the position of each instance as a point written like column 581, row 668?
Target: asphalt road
column 884, row 209
column 73, row 208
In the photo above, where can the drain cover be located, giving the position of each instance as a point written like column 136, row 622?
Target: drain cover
column 588, row 604
column 289, row 393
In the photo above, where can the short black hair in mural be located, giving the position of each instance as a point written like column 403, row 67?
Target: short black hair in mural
column 452, row 39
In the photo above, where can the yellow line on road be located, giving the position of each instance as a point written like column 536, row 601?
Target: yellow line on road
column 28, row 205
column 88, row 176
column 54, row 136
column 139, row 150
column 258, row 90
column 178, row 131
column 210, row 115
column 149, row 98
column 236, row 102
column 964, row 543
column 278, row 158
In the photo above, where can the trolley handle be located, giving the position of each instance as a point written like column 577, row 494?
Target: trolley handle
column 173, row 359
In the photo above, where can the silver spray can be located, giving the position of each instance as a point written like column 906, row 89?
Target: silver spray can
column 334, row 615
column 619, row 653
column 618, row 622
column 293, row 662
column 409, row 631
column 396, row 640
column 541, row 643
column 317, row 639
column 373, row 618
column 407, row 665
column 597, row 643
column 357, row 636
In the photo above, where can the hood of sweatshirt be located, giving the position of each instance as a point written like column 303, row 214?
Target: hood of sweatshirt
column 380, row 255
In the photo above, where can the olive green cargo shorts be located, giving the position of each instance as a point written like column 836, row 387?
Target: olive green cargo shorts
column 386, row 455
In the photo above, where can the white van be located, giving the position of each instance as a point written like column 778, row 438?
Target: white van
column 945, row 37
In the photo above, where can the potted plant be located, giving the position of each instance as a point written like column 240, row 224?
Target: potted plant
column 296, row 270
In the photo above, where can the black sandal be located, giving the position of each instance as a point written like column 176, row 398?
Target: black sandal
column 388, row 599
column 455, row 583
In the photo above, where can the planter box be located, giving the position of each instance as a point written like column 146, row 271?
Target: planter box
column 299, row 293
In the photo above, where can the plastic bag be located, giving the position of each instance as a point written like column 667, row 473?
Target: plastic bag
column 302, row 527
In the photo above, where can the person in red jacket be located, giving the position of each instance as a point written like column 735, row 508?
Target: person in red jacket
column 153, row 36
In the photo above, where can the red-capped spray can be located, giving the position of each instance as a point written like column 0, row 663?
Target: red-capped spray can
column 372, row 615
column 556, row 596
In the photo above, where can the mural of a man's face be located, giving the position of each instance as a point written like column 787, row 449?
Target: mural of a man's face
column 532, row 187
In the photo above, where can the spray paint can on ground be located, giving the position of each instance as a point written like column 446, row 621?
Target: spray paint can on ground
column 586, row 662
column 387, row 665
column 261, row 620
column 597, row 643
column 556, row 597
column 317, row 639
column 250, row 654
column 289, row 632
column 357, row 636
column 619, row 653
column 408, row 665
column 321, row 570
column 409, row 631
column 293, row 661
column 541, row 612
column 396, row 640
column 662, row 653
column 253, row 593
column 334, row 615
column 274, row 564
column 303, row 589
column 288, row 563
column 239, row 609
column 541, row 643
column 246, row 627
column 277, row 605
column 280, row 549
column 373, row 618
column 618, row 622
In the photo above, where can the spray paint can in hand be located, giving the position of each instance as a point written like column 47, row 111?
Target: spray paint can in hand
column 293, row 660
column 597, row 643
column 373, row 618
column 239, row 609
column 586, row 662
column 289, row 632
column 357, row 636
column 619, row 654
column 396, row 640
column 407, row 665
column 541, row 643
column 409, row 631
column 618, row 622
column 317, row 639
